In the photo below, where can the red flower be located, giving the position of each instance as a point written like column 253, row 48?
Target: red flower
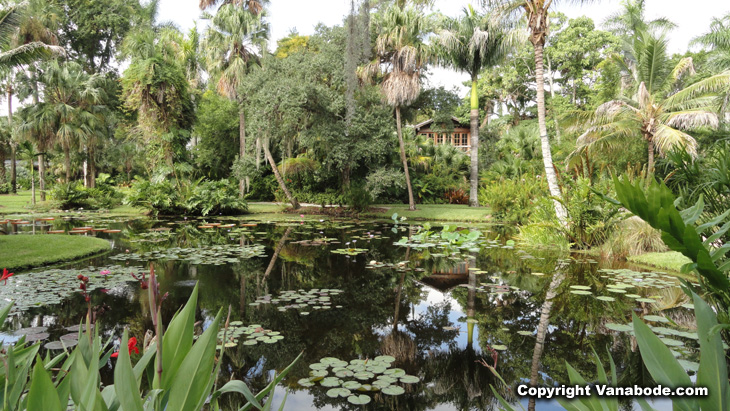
column 6, row 275
column 131, row 345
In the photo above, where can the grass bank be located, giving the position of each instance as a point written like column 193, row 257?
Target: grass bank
column 670, row 260
column 437, row 212
column 20, row 204
column 27, row 251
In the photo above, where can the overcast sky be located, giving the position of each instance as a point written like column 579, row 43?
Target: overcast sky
column 693, row 18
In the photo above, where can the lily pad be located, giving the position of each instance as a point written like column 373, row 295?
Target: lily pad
column 338, row 392
column 358, row 399
column 393, row 390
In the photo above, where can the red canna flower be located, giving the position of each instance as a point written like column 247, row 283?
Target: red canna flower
column 131, row 345
column 5, row 276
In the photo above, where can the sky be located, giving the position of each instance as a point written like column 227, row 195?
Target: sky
column 693, row 18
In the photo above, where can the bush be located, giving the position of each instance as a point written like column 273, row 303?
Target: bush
column 74, row 195
column 632, row 237
column 358, row 198
column 512, row 201
column 386, row 184
column 198, row 198
column 4, row 188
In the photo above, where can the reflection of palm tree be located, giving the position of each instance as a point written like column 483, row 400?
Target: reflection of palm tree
column 279, row 246
column 542, row 330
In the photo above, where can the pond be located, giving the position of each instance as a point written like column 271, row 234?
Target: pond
column 375, row 305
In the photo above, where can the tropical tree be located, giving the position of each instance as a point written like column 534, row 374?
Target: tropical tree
column 661, row 110
column 72, row 101
column 470, row 44
column 233, row 42
column 400, row 55
column 156, row 87
column 718, row 40
column 538, row 22
column 254, row 6
column 24, row 39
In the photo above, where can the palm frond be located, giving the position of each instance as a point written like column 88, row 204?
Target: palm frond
column 691, row 119
column 667, row 138
column 710, row 85
column 29, row 53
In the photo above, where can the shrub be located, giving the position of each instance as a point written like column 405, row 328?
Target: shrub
column 358, row 198
column 512, row 201
column 4, row 188
column 632, row 237
column 386, row 184
column 69, row 195
column 198, row 198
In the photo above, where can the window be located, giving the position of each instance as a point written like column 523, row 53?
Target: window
column 464, row 139
column 440, row 138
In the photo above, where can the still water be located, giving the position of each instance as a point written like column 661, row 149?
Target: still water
column 344, row 290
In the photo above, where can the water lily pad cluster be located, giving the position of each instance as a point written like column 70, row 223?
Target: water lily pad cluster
column 302, row 300
column 49, row 287
column 213, row 255
column 629, row 284
column 350, row 251
column 250, row 334
column 352, row 379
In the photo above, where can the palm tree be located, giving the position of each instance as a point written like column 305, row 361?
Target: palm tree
column 538, row 21
column 72, row 99
column 470, row 44
column 233, row 41
column 401, row 54
column 718, row 39
column 253, row 6
column 660, row 109
column 24, row 39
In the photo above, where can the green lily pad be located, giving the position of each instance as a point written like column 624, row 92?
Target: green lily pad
column 358, row 399
column 393, row 390
column 338, row 392
column 605, row 298
column 331, row 382
column 409, row 379
column 305, row 382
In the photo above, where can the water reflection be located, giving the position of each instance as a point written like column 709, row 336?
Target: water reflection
column 438, row 316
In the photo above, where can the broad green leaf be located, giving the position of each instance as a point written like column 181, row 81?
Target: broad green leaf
column 193, row 374
column 42, row 394
column 125, row 383
column 713, row 368
column 177, row 340
column 663, row 367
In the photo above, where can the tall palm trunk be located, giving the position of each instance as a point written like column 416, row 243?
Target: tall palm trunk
column 67, row 161
column 547, row 157
column 411, row 203
column 92, row 167
column 42, row 175
column 13, row 148
column 270, row 159
column 241, row 147
column 650, row 162
column 474, row 124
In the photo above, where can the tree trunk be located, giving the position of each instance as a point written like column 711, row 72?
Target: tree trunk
column 547, row 157
column 650, row 163
column 13, row 155
column 270, row 159
column 411, row 203
column 241, row 147
column 92, row 167
column 474, row 149
column 552, row 96
column 3, row 155
column 32, row 182
column 488, row 111
column 42, row 175
column 277, row 250
column 67, row 161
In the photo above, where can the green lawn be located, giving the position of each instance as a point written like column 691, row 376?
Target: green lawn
column 27, row 251
column 438, row 212
column 670, row 260
column 20, row 204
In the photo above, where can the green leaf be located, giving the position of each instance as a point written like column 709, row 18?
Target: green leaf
column 663, row 367
column 125, row 383
column 713, row 368
column 42, row 394
column 188, row 384
column 178, row 339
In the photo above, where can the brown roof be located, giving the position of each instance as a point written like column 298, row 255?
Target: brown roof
column 428, row 122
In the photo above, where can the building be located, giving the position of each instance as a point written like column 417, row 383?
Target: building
column 459, row 137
